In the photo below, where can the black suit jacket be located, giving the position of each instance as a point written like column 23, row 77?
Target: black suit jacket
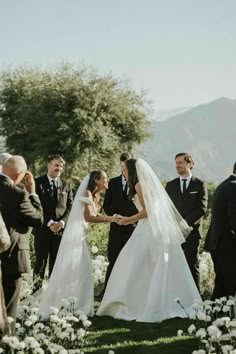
column 54, row 210
column 19, row 212
column 223, row 221
column 116, row 202
column 192, row 205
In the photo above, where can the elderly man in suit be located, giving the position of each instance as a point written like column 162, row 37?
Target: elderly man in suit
column 20, row 208
column 221, row 237
column 189, row 195
column 56, row 197
column 4, row 156
column 116, row 202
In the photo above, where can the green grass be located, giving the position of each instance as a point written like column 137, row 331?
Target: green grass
column 128, row 337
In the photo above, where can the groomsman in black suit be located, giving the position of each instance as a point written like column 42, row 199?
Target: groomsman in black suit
column 20, row 208
column 221, row 237
column 189, row 195
column 116, row 202
column 56, row 197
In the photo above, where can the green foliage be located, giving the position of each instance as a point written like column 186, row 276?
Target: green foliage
column 87, row 118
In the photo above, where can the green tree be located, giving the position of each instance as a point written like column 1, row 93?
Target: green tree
column 87, row 118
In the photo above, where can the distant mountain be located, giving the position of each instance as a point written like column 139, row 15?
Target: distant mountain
column 207, row 132
column 167, row 113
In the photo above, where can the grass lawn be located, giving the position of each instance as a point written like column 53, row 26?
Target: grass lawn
column 125, row 337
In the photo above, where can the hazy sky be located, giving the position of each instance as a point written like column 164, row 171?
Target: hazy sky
column 182, row 52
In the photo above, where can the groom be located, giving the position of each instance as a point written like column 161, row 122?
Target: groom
column 116, row 202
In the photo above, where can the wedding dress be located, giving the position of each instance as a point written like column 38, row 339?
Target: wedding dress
column 72, row 275
column 151, row 270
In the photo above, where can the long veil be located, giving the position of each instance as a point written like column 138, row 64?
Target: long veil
column 168, row 226
column 72, row 273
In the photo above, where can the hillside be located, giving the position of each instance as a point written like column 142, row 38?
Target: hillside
column 207, row 131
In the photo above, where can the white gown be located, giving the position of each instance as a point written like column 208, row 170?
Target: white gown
column 144, row 284
column 72, row 274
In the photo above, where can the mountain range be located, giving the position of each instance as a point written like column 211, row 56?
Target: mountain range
column 207, row 132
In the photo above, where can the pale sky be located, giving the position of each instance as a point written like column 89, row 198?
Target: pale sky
column 182, row 52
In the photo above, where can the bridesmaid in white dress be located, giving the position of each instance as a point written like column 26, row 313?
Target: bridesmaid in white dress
column 151, row 270
column 72, row 274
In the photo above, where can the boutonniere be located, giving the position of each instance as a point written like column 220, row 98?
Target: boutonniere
column 44, row 190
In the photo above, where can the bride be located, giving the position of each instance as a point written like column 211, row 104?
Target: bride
column 72, row 274
column 151, row 270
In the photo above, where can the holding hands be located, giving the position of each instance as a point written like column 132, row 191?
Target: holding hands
column 121, row 220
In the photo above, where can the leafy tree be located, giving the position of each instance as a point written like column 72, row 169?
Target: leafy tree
column 87, row 118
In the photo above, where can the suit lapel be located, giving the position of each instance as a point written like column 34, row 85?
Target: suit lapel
column 60, row 185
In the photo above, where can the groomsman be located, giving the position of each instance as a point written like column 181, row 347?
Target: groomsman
column 189, row 195
column 56, row 198
column 221, row 237
column 116, row 202
column 20, row 209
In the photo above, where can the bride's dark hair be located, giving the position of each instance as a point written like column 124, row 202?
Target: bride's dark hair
column 132, row 174
column 92, row 187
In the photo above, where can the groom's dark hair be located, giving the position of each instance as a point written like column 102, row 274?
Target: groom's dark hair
column 187, row 157
column 126, row 156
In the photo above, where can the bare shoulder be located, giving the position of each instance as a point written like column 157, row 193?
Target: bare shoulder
column 88, row 194
column 138, row 187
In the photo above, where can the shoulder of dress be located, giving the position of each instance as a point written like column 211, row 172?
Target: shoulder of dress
column 86, row 200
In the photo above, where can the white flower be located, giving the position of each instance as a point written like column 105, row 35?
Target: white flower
column 54, row 310
column 87, row 323
column 191, row 329
column 83, row 318
column 201, row 333
column 226, row 308
column 28, row 323
column 179, row 332
column 94, row 249
column 202, row 316
column 226, row 349
column 230, row 302
column 214, row 331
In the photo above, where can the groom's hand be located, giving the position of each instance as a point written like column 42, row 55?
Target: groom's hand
column 124, row 220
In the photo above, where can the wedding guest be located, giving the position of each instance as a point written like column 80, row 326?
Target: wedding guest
column 189, row 195
column 5, row 243
column 20, row 209
column 116, row 201
column 56, row 197
column 221, row 237
column 4, row 156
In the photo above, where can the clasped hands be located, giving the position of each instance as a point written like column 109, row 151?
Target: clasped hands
column 55, row 226
column 121, row 220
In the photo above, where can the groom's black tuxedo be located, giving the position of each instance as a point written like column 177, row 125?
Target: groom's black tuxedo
column 221, row 238
column 116, row 202
column 56, row 208
column 192, row 205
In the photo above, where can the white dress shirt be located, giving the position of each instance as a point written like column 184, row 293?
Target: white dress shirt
column 188, row 179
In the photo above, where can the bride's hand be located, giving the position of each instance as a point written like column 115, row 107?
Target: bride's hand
column 116, row 218
column 124, row 220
